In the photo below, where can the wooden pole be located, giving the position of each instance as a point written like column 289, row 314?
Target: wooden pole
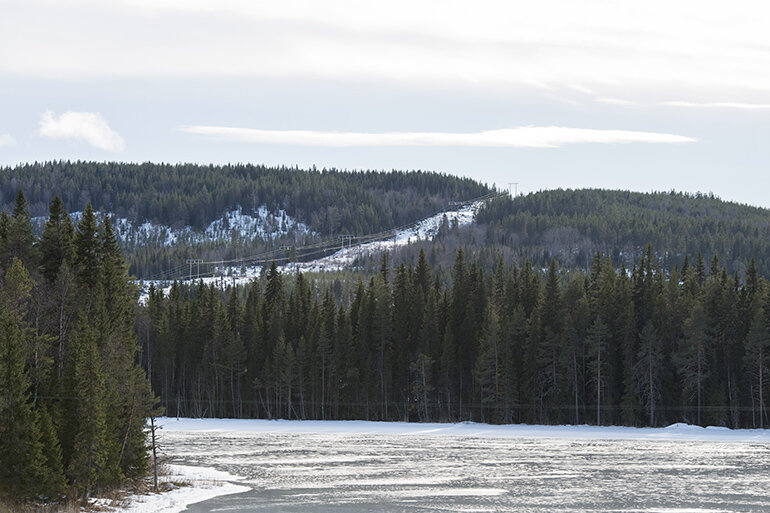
column 154, row 454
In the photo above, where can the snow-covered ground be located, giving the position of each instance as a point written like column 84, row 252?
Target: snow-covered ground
column 200, row 484
column 467, row 429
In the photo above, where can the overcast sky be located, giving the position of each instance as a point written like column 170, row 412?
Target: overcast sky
column 652, row 95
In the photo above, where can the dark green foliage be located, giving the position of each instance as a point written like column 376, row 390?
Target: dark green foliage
column 30, row 464
column 56, row 241
column 572, row 225
column 87, row 251
column 509, row 345
column 22, row 463
column 20, row 237
column 329, row 202
column 73, row 400
column 648, row 370
column 87, row 464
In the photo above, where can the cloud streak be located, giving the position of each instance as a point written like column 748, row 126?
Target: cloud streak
column 7, row 140
column 518, row 137
column 719, row 105
column 89, row 127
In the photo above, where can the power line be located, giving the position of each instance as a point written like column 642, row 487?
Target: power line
column 303, row 252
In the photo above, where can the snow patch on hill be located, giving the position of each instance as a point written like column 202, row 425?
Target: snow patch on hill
column 344, row 258
column 261, row 224
column 426, row 229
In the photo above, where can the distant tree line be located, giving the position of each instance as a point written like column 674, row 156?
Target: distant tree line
column 572, row 225
column 328, row 201
column 73, row 398
column 638, row 347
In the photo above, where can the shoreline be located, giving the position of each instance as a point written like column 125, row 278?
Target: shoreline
column 204, row 483
column 678, row 431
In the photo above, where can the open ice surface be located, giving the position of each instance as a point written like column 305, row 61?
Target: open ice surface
column 360, row 466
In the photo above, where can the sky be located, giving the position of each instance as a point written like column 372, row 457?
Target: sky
column 653, row 95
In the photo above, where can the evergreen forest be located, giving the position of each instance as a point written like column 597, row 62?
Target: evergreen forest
column 559, row 307
column 636, row 347
column 329, row 202
column 573, row 225
column 73, row 399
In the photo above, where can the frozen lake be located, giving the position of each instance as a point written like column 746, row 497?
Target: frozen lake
column 296, row 467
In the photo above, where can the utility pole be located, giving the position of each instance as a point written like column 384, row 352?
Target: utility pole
column 292, row 255
column 197, row 261
column 154, row 454
column 344, row 238
column 513, row 185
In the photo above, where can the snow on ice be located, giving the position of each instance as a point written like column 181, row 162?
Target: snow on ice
column 205, row 483
column 468, row 429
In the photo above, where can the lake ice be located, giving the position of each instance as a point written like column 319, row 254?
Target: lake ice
column 373, row 467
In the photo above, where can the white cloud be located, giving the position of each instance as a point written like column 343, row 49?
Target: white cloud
column 519, row 137
column 86, row 126
column 615, row 101
column 7, row 140
column 623, row 47
column 719, row 105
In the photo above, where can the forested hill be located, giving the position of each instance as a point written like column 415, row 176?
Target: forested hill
column 572, row 225
column 327, row 201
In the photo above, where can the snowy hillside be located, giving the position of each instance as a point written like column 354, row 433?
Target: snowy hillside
column 260, row 224
column 343, row 258
column 422, row 230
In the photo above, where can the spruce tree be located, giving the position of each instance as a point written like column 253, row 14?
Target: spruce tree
column 20, row 236
column 598, row 338
column 5, row 223
column 649, row 361
column 87, row 466
column 87, row 252
column 56, row 242
column 487, row 371
column 54, row 482
column 757, row 342
column 22, row 463
column 692, row 358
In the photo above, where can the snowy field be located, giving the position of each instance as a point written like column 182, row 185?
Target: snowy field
column 303, row 466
